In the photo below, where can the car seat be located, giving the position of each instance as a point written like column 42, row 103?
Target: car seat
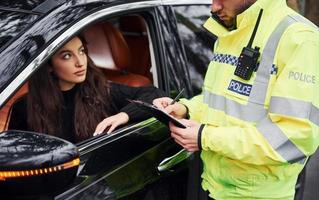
column 134, row 31
column 109, row 51
column 6, row 109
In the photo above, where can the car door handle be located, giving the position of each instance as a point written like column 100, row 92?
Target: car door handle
column 170, row 162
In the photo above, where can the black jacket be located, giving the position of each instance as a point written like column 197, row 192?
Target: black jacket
column 118, row 93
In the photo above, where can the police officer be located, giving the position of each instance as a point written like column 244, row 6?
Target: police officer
column 257, row 120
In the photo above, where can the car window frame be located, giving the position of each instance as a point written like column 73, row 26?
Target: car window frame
column 93, row 142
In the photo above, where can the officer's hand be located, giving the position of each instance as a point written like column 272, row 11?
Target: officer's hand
column 186, row 137
column 177, row 110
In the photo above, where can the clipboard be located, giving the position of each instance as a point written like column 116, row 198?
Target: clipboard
column 159, row 114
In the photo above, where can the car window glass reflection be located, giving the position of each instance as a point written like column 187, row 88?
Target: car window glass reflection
column 194, row 37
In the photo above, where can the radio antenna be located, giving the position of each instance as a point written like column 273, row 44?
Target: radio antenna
column 250, row 43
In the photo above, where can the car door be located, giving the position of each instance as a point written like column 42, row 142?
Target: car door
column 124, row 165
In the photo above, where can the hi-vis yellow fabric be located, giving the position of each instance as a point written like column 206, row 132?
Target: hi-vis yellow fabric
column 259, row 133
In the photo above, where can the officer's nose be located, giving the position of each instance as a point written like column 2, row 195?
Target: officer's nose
column 216, row 6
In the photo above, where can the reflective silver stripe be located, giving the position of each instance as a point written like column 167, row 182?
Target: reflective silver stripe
column 260, row 86
column 279, row 141
column 301, row 19
column 251, row 113
column 294, row 108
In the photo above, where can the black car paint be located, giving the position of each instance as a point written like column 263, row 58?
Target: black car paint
column 25, row 151
column 138, row 152
column 21, row 4
column 119, row 165
column 32, row 152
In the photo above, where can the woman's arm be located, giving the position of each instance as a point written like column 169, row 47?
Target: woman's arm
column 120, row 94
column 127, row 111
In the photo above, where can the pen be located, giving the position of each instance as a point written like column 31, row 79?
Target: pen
column 177, row 97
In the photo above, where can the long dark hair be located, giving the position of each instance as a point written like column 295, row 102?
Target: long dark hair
column 45, row 101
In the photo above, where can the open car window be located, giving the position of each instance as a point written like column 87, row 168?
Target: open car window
column 119, row 47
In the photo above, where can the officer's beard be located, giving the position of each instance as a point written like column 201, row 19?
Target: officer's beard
column 231, row 24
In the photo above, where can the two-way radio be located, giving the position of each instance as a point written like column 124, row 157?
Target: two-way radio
column 248, row 58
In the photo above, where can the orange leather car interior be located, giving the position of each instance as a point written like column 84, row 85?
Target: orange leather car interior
column 135, row 33
column 6, row 109
column 109, row 51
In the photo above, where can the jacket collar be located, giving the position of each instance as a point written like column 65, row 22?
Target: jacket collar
column 246, row 18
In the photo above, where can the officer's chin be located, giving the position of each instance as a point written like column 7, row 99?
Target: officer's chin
column 228, row 23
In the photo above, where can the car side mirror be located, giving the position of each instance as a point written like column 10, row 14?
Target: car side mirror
column 33, row 164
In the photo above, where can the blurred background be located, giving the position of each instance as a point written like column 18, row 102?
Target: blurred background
column 308, row 8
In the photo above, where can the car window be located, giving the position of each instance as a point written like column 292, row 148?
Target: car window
column 198, row 43
column 119, row 47
column 12, row 23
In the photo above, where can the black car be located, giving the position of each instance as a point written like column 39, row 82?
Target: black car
column 134, row 42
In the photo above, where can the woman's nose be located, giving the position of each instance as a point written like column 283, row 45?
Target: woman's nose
column 79, row 61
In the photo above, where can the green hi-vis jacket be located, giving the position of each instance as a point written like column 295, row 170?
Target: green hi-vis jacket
column 259, row 133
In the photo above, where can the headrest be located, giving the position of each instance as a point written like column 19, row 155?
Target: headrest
column 107, row 46
column 133, row 23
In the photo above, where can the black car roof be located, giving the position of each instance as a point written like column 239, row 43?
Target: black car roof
column 21, row 4
column 42, row 6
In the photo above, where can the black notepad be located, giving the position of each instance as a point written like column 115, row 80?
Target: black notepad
column 159, row 114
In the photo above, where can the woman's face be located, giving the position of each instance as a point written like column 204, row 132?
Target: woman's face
column 70, row 64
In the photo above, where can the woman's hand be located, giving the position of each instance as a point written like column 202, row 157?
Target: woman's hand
column 177, row 110
column 111, row 123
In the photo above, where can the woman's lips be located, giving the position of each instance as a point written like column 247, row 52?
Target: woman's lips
column 80, row 73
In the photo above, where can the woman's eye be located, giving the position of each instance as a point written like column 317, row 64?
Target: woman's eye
column 66, row 56
column 82, row 51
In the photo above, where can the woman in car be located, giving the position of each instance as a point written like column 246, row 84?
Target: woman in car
column 70, row 98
